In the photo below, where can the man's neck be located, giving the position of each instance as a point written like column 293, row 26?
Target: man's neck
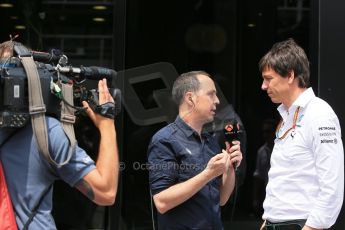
column 192, row 122
column 292, row 97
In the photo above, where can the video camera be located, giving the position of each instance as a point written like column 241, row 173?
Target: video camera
column 51, row 67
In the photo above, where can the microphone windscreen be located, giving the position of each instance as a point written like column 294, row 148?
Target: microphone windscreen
column 231, row 130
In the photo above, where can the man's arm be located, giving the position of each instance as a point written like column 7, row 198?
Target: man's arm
column 329, row 164
column 100, row 185
column 227, row 186
column 228, row 178
column 179, row 193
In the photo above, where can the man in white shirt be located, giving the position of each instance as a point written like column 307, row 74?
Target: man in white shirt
column 306, row 179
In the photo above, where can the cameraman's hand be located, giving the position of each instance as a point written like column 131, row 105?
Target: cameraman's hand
column 104, row 97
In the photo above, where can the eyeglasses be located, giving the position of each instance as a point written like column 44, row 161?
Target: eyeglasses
column 295, row 117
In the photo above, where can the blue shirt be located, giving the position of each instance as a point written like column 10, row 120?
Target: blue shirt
column 177, row 153
column 29, row 175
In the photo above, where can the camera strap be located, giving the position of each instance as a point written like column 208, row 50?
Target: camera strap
column 37, row 111
column 67, row 117
column 37, row 107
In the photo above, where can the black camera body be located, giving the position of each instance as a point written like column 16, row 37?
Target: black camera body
column 14, row 100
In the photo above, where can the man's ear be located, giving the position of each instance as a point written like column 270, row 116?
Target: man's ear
column 189, row 98
column 291, row 76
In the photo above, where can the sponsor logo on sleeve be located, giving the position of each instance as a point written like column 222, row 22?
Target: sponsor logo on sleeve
column 328, row 134
column 325, row 128
column 327, row 141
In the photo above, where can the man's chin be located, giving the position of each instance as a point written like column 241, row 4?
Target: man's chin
column 210, row 119
column 275, row 101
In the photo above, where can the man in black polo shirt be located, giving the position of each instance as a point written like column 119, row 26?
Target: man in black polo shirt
column 190, row 176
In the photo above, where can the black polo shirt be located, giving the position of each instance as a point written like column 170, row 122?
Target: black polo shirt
column 177, row 153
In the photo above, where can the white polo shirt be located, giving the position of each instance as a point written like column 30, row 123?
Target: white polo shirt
column 306, row 178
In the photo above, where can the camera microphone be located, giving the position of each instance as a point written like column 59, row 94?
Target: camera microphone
column 54, row 56
column 91, row 73
column 97, row 73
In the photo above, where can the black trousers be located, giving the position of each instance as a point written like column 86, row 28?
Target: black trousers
column 286, row 225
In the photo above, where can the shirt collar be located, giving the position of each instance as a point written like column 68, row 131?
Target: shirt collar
column 301, row 101
column 187, row 130
column 182, row 125
column 305, row 98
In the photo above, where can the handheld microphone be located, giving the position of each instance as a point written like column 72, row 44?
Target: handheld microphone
column 232, row 131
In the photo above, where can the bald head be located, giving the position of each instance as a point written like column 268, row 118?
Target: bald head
column 187, row 82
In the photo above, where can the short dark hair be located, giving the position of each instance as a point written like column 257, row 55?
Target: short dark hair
column 186, row 82
column 286, row 56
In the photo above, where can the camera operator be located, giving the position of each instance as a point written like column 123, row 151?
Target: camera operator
column 30, row 176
